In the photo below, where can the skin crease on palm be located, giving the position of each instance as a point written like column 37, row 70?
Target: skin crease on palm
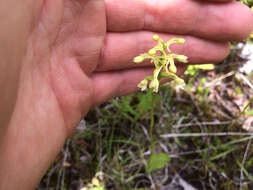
column 62, row 57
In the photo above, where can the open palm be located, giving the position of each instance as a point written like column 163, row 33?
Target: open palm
column 83, row 59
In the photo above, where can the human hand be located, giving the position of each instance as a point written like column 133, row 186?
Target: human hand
column 79, row 54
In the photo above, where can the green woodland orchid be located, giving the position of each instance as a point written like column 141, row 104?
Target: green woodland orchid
column 164, row 62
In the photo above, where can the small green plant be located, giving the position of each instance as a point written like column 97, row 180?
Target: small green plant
column 193, row 70
column 165, row 69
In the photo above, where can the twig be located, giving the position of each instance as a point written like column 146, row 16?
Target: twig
column 50, row 173
column 243, row 162
column 145, row 132
column 245, row 80
column 202, row 150
column 172, row 135
column 214, row 82
column 64, row 161
column 202, row 123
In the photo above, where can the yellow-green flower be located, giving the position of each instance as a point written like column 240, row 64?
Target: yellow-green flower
column 164, row 62
column 156, row 37
column 152, row 52
column 154, row 84
column 139, row 59
column 143, row 85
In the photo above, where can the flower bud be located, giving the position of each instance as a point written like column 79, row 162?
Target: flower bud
column 152, row 52
column 180, row 81
column 175, row 40
column 138, row 59
column 251, row 35
column 181, row 40
column 181, row 58
column 173, row 68
column 156, row 37
column 95, row 182
column 143, row 84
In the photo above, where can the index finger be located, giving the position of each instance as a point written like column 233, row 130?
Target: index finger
column 201, row 18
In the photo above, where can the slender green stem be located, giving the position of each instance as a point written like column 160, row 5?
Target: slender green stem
column 152, row 122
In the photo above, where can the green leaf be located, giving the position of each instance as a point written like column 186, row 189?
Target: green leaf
column 223, row 154
column 126, row 105
column 157, row 161
column 250, row 112
column 145, row 101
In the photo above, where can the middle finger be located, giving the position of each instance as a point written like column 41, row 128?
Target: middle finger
column 120, row 49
